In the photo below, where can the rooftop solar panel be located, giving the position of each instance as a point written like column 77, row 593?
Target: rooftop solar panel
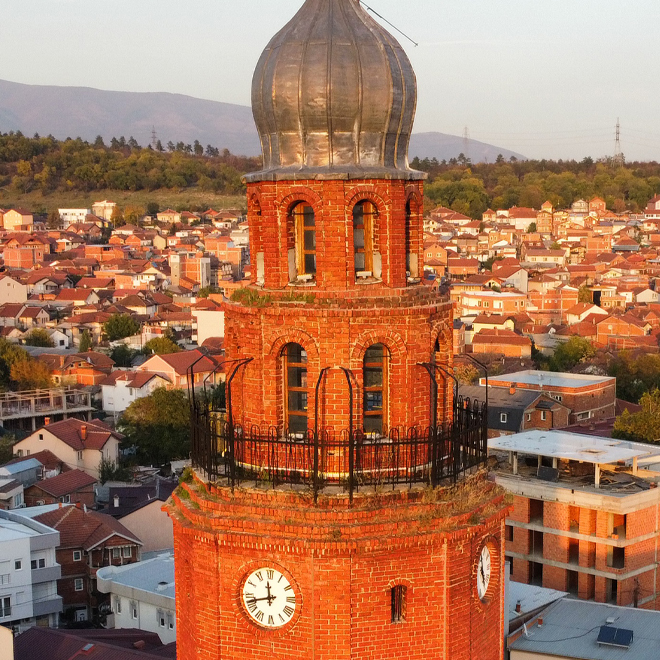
column 610, row 636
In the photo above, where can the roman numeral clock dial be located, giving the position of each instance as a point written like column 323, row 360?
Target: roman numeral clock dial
column 268, row 598
column 483, row 572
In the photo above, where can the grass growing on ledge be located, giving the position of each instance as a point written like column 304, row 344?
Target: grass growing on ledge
column 250, row 298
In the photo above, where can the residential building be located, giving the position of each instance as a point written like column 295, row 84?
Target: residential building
column 139, row 509
column 12, row 290
column 104, row 209
column 73, row 216
column 142, row 596
column 174, row 367
column 28, row 573
column 81, row 445
column 11, row 494
column 49, row 644
column 515, row 410
column 88, row 541
column 587, row 397
column 121, row 388
column 570, row 629
column 474, row 303
column 70, row 487
column 18, row 220
column 585, row 514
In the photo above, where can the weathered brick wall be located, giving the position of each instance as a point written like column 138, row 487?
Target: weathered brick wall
column 340, row 319
column 343, row 562
column 338, row 336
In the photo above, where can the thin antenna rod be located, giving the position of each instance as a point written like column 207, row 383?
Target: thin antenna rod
column 382, row 18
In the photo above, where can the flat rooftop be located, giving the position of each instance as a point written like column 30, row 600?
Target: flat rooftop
column 573, row 447
column 571, row 629
column 548, row 379
column 154, row 576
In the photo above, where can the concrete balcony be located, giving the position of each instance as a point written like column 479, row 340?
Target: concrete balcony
column 40, row 575
column 44, row 607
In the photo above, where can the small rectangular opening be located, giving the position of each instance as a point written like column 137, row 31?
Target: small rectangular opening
column 536, row 511
column 572, row 580
column 536, row 574
column 573, row 551
column 536, row 544
column 616, row 557
column 509, row 533
column 612, row 591
column 399, row 603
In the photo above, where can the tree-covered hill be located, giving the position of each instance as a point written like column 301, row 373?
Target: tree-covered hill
column 471, row 189
column 54, row 167
column 49, row 165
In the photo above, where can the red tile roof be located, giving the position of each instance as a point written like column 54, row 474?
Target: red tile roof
column 69, row 431
column 84, row 529
column 65, row 483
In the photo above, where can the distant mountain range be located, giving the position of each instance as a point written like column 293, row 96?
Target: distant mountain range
column 85, row 112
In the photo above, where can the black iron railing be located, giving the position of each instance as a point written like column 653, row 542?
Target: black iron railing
column 350, row 458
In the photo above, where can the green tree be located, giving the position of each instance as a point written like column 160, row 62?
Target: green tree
column 158, row 426
column 635, row 374
column 30, row 375
column 160, row 346
column 571, row 353
column 86, row 342
column 117, row 217
column 532, row 228
column 643, row 426
column 584, row 294
column 119, row 326
column 7, row 443
column 10, row 354
column 110, row 471
column 123, row 355
column 39, row 337
column 54, row 220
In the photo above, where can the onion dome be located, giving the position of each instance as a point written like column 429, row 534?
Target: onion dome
column 334, row 96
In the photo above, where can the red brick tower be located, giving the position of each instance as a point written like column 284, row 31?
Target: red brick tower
column 338, row 509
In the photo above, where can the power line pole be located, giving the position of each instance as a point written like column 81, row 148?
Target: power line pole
column 154, row 138
column 618, row 154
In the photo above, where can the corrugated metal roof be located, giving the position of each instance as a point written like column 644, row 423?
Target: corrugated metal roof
column 570, row 630
column 15, row 468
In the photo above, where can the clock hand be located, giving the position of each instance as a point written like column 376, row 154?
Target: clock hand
column 270, row 597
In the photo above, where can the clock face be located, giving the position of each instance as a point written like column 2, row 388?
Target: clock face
column 483, row 572
column 268, row 598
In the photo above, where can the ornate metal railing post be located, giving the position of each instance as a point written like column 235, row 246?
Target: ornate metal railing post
column 231, row 436
column 316, row 482
column 351, row 436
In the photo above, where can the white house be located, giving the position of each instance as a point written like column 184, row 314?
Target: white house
column 79, row 444
column 72, row 216
column 121, row 388
column 12, row 291
column 207, row 323
column 142, row 596
column 28, row 573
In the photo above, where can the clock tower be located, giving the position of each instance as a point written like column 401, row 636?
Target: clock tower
column 339, row 507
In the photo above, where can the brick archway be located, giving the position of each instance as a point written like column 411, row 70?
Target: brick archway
column 298, row 194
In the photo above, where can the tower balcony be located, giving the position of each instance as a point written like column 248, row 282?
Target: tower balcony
column 347, row 459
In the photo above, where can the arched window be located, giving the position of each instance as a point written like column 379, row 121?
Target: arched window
column 375, row 388
column 295, row 388
column 398, row 596
column 364, row 214
column 304, row 227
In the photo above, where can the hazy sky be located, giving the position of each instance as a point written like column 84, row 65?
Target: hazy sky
column 545, row 78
